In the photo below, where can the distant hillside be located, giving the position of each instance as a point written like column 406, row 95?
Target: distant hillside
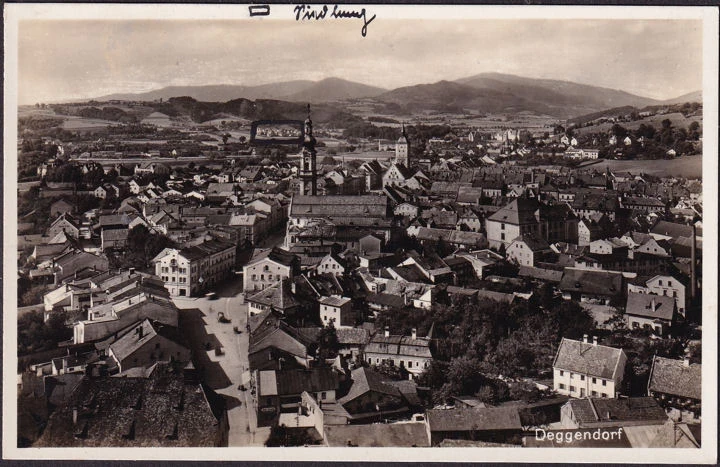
column 334, row 89
column 259, row 109
column 450, row 96
column 216, row 93
column 330, row 89
column 689, row 97
column 499, row 93
column 581, row 95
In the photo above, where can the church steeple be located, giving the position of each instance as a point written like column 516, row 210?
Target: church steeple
column 308, row 162
column 402, row 147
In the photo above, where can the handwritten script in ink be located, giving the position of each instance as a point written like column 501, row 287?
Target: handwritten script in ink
column 305, row 12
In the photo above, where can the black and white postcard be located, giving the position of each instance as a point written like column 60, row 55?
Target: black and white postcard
column 360, row 232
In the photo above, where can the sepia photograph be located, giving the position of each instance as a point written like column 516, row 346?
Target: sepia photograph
column 235, row 228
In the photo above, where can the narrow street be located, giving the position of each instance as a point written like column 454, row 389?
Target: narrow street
column 226, row 372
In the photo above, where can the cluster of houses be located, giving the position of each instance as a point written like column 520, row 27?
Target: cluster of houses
column 377, row 238
column 126, row 376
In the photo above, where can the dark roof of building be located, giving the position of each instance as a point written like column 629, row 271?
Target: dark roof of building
column 591, row 282
column 384, row 299
column 456, row 237
column 594, row 360
column 352, row 336
column 310, row 380
column 365, row 380
column 549, row 275
column 399, row 345
column 674, row 230
column 207, row 248
column 670, row 376
column 381, row 435
column 474, row 419
column 274, row 254
column 519, row 211
column 279, row 296
column 650, row 306
column 340, row 207
column 603, row 410
column 533, row 242
column 161, row 410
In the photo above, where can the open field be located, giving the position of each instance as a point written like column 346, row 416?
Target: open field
column 678, row 120
column 687, row 167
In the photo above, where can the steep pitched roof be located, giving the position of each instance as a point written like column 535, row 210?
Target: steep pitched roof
column 595, row 410
column 474, row 419
column 519, row 211
column 279, row 296
column 365, row 380
column 591, row 282
column 650, row 306
column 595, row 360
column 670, row 376
column 311, row 380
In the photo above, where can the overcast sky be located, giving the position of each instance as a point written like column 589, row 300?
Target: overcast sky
column 60, row 60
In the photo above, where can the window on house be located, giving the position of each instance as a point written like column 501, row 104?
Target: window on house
column 660, row 282
column 582, row 377
column 571, row 375
column 594, row 380
column 593, row 393
column 604, row 396
column 409, row 364
column 562, row 373
column 561, row 386
column 323, row 395
column 604, row 383
column 572, row 388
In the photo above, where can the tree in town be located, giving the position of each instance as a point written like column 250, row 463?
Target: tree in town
column 328, row 343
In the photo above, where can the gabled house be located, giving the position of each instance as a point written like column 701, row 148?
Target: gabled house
column 527, row 250
column 268, row 267
column 588, row 369
column 278, row 297
column 591, row 285
column 279, row 390
column 332, row 264
column 146, row 344
column 611, row 413
column 493, row 425
column 650, row 311
column 65, row 223
column 336, row 310
column 372, row 397
column 664, row 285
column 677, row 386
column 60, row 207
column 409, row 352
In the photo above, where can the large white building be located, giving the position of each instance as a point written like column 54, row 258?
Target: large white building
column 190, row 271
column 267, row 268
column 588, row 369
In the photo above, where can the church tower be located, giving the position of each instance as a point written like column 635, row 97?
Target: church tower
column 402, row 148
column 308, row 161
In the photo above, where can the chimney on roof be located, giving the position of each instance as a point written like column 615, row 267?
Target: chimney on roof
column 387, row 331
column 585, row 338
column 595, row 340
column 140, row 332
column 75, row 415
column 414, row 333
column 653, row 304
